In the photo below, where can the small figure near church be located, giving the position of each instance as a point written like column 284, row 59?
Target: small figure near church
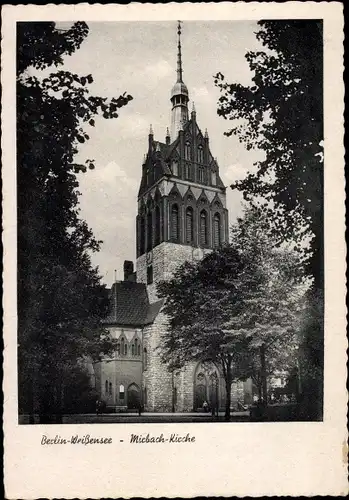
column 98, row 407
column 205, row 406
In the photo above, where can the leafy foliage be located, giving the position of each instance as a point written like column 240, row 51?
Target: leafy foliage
column 240, row 301
column 61, row 301
column 281, row 114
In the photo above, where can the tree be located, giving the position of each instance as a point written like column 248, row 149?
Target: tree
column 273, row 285
column 236, row 308
column 61, row 301
column 199, row 300
column 281, row 114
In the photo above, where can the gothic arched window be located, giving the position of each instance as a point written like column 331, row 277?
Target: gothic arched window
column 110, row 388
column 203, row 228
column 217, row 230
column 200, row 154
column 142, row 236
column 201, row 174
column 175, row 167
column 122, row 346
column 106, row 386
column 157, row 225
column 133, row 350
column 145, row 358
column 125, row 350
column 188, row 171
column 214, row 178
column 189, row 226
column 174, row 223
column 149, row 231
column 136, row 347
column 121, row 391
column 138, row 350
column 187, row 151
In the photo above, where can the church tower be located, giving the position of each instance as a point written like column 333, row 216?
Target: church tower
column 181, row 200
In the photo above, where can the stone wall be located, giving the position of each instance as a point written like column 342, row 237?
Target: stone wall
column 166, row 258
column 157, row 380
column 184, row 383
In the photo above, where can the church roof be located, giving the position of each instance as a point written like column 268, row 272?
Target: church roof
column 159, row 157
column 129, row 305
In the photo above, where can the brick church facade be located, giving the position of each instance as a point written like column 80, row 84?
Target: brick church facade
column 182, row 215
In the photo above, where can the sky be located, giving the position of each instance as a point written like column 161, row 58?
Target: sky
column 140, row 58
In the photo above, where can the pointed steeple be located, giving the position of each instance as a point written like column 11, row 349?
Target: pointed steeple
column 150, row 138
column 179, row 94
column 193, row 112
column 179, row 55
column 168, row 138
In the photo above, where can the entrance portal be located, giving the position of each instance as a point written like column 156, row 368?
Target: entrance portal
column 133, row 397
column 200, row 395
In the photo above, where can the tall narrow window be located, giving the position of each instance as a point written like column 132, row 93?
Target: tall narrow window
column 174, row 223
column 188, row 171
column 133, row 349
column 201, row 174
column 136, row 347
column 125, row 350
column 142, row 236
column 149, row 231
column 157, row 225
column 145, row 358
column 214, row 178
column 187, row 151
column 175, row 168
column 203, row 228
column 106, row 386
column 139, row 350
column 118, row 348
column 121, row 392
column 110, row 388
column 200, row 154
column 189, row 225
column 122, row 346
column 217, row 230
column 149, row 275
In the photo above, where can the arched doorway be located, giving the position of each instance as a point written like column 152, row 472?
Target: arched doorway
column 200, row 391
column 133, row 397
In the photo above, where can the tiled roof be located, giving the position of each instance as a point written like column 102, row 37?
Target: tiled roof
column 129, row 305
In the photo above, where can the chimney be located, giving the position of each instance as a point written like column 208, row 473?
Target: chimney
column 128, row 270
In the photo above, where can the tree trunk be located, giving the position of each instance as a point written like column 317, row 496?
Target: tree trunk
column 228, row 381
column 58, row 401
column 227, row 399
column 263, row 376
column 31, row 400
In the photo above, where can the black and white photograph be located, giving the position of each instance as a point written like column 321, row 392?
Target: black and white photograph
column 191, row 173
column 170, row 203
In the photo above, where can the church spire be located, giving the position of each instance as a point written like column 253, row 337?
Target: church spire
column 179, row 55
column 179, row 94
